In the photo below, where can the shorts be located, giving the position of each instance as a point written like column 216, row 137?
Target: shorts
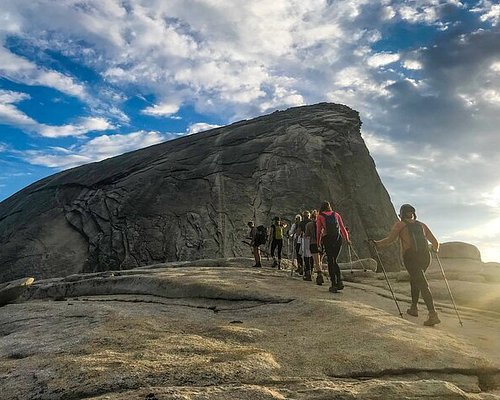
column 313, row 247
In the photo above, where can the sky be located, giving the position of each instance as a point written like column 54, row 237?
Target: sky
column 81, row 81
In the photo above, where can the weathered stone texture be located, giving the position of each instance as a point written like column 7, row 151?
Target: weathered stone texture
column 190, row 198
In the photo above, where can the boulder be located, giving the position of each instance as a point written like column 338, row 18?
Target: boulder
column 11, row 291
column 367, row 264
column 459, row 250
column 190, row 198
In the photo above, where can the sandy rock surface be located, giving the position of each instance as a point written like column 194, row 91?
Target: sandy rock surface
column 229, row 331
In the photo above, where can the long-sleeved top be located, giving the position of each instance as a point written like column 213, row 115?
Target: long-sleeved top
column 321, row 226
column 399, row 231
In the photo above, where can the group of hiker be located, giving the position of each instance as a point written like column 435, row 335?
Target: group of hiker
column 321, row 233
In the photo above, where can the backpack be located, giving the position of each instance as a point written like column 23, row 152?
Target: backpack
column 332, row 226
column 418, row 241
column 260, row 235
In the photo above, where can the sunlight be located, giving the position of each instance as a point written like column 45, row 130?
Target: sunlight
column 486, row 237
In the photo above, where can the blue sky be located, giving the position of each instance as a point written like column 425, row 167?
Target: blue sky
column 81, row 81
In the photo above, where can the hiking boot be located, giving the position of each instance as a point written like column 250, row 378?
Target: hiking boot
column 333, row 289
column 307, row 276
column 339, row 285
column 319, row 279
column 258, row 265
column 413, row 311
column 433, row 319
column 275, row 264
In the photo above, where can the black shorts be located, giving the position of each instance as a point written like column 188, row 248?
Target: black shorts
column 313, row 248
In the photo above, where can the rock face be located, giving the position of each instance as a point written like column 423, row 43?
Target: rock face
column 223, row 330
column 191, row 198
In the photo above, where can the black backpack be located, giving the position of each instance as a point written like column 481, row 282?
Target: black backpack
column 332, row 226
column 418, row 241
column 260, row 235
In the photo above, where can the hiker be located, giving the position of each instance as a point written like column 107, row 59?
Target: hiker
column 304, row 247
column 414, row 237
column 310, row 233
column 296, row 242
column 276, row 234
column 330, row 231
column 254, row 244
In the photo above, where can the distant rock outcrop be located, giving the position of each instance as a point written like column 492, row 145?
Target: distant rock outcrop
column 459, row 250
column 190, row 198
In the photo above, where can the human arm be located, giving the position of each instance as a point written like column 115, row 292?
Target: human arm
column 343, row 231
column 393, row 235
column 431, row 238
column 320, row 226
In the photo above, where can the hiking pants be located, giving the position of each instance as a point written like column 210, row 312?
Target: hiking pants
column 279, row 244
column 416, row 265
column 332, row 248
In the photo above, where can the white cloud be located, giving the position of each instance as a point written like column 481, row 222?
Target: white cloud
column 11, row 115
column 200, row 127
column 491, row 96
column 424, row 14
column 161, row 110
column 378, row 145
column 381, row 59
column 97, row 149
column 412, row 64
column 18, row 69
column 83, row 126
column 495, row 66
column 388, row 13
column 489, row 12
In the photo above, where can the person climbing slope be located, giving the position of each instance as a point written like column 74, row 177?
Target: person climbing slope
column 276, row 233
column 414, row 237
column 310, row 234
column 330, row 231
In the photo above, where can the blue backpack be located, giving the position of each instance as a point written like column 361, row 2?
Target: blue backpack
column 332, row 226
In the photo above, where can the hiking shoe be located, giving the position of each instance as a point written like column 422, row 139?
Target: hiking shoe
column 299, row 271
column 433, row 319
column 307, row 276
column 333, row 289
column 275, row 264
column 319, row 279
column 257, row 266
column 339, row 285
column 413, row 311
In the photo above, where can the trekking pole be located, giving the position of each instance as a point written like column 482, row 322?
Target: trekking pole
column 350, row 256
column 387, row 280
column 449, row 290
column 359, row 259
